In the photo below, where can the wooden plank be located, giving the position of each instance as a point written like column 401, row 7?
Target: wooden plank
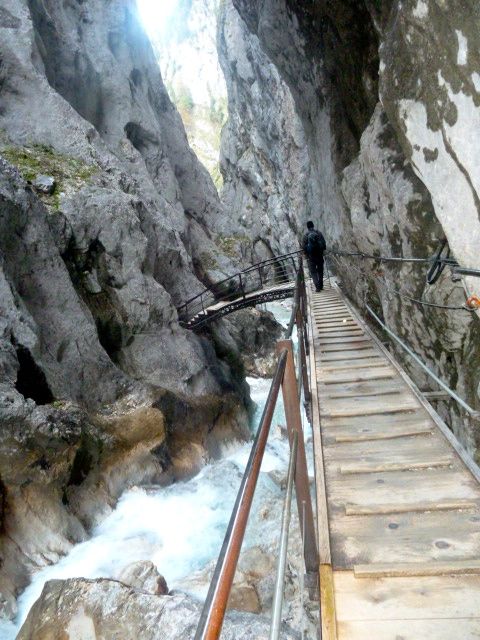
column 361, row 355
column 369, row 405
column 383, row 509
column 377, row 451
column 355, row 467
column 416, row 417
column 321, row 315
column 329, row 335
column 345, row 340
column 337, row 348
column 361, row 365
column 404, row 569
column 383, row 435
column 402, row 537
column 327, row 603
column 358, row 375
column 429, row 485
column 364, row 390
column 442, row 629
column 323, row 326
column 334, row 302
column 365, row 411
column 429, row 597
column 324, row 552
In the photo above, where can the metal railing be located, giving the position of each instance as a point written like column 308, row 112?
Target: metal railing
column 470, row 410
column 213, row 613
column 274, row 271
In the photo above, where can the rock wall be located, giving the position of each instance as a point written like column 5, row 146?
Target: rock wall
column 98, row 609
column 96, row 375
column 264, row 158
column 387, row 94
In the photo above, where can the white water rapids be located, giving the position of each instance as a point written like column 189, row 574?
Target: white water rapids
column 179, row 528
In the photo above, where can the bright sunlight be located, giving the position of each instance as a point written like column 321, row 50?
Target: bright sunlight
column 155, row 14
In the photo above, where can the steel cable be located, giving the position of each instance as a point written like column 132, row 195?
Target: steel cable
column 405, row 296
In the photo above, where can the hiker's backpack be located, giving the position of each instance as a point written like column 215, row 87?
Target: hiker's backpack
column 315, row 244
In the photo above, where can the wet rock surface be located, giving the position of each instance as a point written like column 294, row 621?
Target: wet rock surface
column 256, row 333
column 144, row 575
column 95, row 609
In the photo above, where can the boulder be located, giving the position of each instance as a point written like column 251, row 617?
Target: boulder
column 96, row 609
column 44, row 184
column 144, row 575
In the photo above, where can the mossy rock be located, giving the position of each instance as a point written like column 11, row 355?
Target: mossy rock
column 231, row 245
column 70, row 174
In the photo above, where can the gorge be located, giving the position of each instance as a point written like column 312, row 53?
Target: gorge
column 359, row 114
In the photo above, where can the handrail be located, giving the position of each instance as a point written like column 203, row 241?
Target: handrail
column 271, row 260
column 470, row 410
column 282, row 554
column 213, row 612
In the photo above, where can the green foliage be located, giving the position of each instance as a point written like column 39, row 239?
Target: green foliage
column 183, row 99
column 208, row 261
column 218, row 111
column 231, row 245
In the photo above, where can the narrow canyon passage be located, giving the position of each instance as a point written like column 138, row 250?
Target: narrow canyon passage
column 151, row 154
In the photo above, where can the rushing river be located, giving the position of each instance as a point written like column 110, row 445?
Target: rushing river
column 179, row 528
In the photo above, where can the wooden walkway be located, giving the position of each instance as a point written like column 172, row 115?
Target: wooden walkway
column 397, row 501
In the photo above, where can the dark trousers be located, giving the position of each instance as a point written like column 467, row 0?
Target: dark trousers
column 315, row 266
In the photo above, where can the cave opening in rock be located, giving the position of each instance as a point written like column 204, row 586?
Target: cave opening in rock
column 31, row 381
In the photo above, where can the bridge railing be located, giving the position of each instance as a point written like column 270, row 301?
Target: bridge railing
column 272, row 272
column 213, row 613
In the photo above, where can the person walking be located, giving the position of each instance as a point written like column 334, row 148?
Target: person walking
column 313, row 245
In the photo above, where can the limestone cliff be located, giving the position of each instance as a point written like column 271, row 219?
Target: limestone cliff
column 97, row 377
column 264, row 159
column 387, row 94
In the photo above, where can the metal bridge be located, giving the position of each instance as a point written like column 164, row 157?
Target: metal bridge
column 392, row 536
column 272, row 279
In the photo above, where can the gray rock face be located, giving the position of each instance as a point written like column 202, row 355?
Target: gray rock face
column 256, row 333
column 130, row 217
column 90, row 276
column 96, row 609
column 389, row 111
column 264, row 157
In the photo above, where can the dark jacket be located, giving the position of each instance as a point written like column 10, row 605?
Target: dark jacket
column 319, row 254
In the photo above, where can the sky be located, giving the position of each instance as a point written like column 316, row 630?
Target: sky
column 184, row 37
column 155, row 14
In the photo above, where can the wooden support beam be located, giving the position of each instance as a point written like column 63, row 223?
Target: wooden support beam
column 302, row 484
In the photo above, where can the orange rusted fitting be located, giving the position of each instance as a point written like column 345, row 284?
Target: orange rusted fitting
column 473, row 302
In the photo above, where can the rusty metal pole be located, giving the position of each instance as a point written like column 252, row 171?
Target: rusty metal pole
column 302, row 356
column 302, row 485
column 211, row 619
